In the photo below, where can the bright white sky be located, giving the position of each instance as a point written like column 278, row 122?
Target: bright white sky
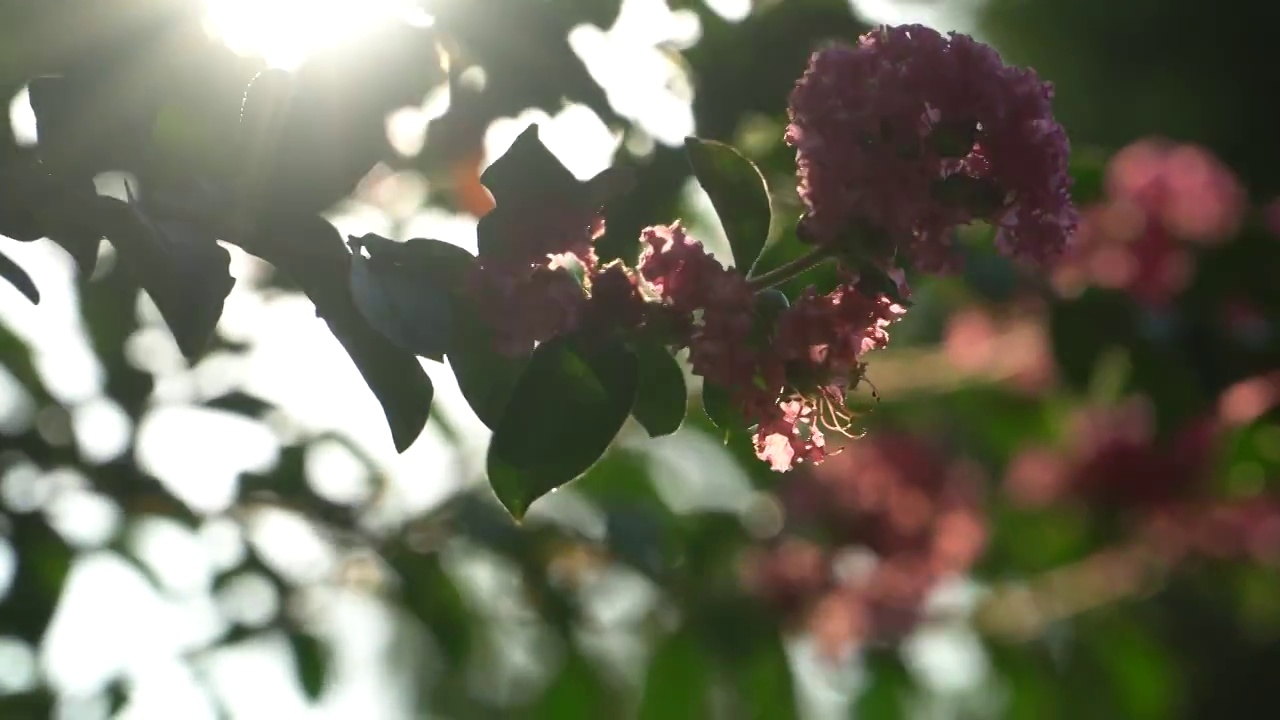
column 112, row 620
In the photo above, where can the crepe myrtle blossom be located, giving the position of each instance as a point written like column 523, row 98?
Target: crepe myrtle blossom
column 897, row 517
column 786, row 371
column 908, row 133
column 900, row 138
column 1162, row 200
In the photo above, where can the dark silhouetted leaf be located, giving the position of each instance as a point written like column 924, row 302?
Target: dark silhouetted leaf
column 739, row 194
column 179, row 264
column 18, row 361
column 564, row 413
column 525, row 168
column 719, row 408
column 22, row 180
column 240, row 403
column 677, row 685
column 18, row 278
column 406, row 290
column 485, row 376
column 311, row 662
column 81, row 134
column 311, row 251
column 33, row 705
column 529, row 184
column 661, row 396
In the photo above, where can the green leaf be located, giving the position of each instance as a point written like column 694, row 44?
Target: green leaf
column 565, row 411
column 311, row 662
column 312, row 253
column 179, row 264
column 887, row 691
column 407, row 290
column 240, row 403
column 1144, row 677
column 525, row 167
column 1028, row 676
column 739, row 194
column 29, row 705
column 765, row 684
column 577, row 693
column 528, row 183
column 486, row 377
column 719, row 408
column 678, row 683
column 17, row 277
column 661, row 396
column 43, row 563
column 430, row 595
column 77, row 138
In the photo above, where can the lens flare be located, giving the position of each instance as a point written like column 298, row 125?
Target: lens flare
column 285, row 32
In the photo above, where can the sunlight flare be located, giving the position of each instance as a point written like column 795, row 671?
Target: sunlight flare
column 286, row 32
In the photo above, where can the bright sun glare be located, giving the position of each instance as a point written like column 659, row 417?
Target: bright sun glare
column 285, row 32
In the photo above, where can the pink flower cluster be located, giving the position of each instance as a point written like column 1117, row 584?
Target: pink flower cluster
column 910, row 133
column 901, row 518
column 899, row 140
column 528, row 292
column 1012, row 348
column 788, row 371
column 1246, row 529
column 1161, row 199
column 1115, row 461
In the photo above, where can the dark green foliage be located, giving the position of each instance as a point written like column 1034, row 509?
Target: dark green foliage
column 221, row 151
column 739, row 194
column 410, row 291
column 18, row 278
column 562, row 416
column 661, row 396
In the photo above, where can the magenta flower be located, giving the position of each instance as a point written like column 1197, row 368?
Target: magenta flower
column 1183, row 188
column 527, row 307
column 1161, row 199
column 897, row 518
column 909, row 134
column 787, row 374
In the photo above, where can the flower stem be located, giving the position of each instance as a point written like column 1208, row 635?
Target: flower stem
column 781, row 274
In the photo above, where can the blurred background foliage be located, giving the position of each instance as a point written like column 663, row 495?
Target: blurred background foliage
column 230, row 533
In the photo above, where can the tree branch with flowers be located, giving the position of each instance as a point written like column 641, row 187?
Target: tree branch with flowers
column 900, row 139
